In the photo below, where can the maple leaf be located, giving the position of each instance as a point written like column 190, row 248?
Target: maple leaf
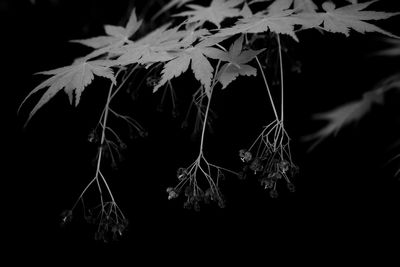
column 304, row 6
column 393, row 51
column 279, row 5
column 73, row 78
column 341, row 20
column 280, row 22
column 196, row 58
column 157, row 46
column 215, row 13
column 116, row 35
column 344, row 115
column 298, row 5
column 170, row 5
column 246, row 11
column 236, row 62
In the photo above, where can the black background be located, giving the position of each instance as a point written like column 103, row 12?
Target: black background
column 345, row 193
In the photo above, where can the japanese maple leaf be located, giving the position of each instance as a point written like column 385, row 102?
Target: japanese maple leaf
column 344, row 115
column 280, row 22
column 307, row 6
column 155, row 47
column 116, row 35
column 246, row 11
column 72, row 79
column 341, row 20
column 393, row 51
column 304, row 6
column 170, row 5
column 196, row 58
column 215, row 13
column 236, row 59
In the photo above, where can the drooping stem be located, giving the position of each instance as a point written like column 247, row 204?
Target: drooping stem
column 213, row 83
column 103, row 137
column 267, row 87
column 205, row 121
column 281, row 71
column 101, row 150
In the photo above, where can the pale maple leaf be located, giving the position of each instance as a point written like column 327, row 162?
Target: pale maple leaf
column 298, row 5
column 171, row 4
column 342, row 19
column 236, row 59
column 279, row 5
column 73, row 78
column 215, row 13
column 158, row 46
column 344, row 115
column 246, row 12
column 116, row 35
column 196, row 57
column 304, row 6
column 393, row 51
column 280, row 22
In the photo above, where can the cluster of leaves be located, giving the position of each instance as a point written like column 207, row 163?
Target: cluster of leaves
column 196, row 41
column 194, row 44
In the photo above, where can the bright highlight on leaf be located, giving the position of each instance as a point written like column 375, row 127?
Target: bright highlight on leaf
column 197, row 57
column 73, row 79
column 215, row 13
column 341, row 20
column 154, row 47
column 236, row 65
column 171, row 4
column 116, row 35
column 280, row 22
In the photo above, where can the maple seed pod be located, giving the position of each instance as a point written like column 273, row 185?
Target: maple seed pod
column 291, row 187
column 143, row 133
column 245, row 155
column 188, row 191
column 209, row 194
column 256, row 165
column 328, row 6
column 196, row 206
column 122, row 145
column 92, row 137
column 273, row 193
column 152, row 81
column 241, row 154
column 172, row 194
column 181, row 173
column 284, row 166
column 242, row 175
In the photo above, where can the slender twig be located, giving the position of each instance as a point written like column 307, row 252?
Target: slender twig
column 281, row 70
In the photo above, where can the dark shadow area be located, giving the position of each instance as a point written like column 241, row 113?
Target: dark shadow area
column 344, row 189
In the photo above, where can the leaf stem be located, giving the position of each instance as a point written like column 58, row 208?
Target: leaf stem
column 208, row 107
column 267, row 87
column 281, row 70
